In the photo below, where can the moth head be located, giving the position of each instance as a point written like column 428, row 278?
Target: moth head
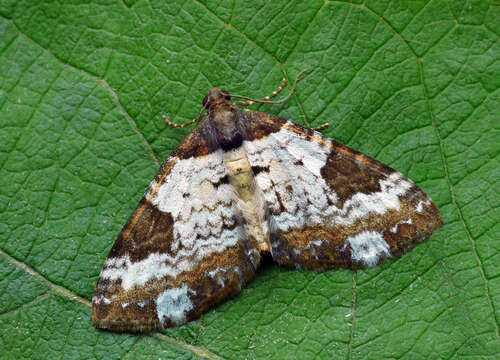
column 216, row 96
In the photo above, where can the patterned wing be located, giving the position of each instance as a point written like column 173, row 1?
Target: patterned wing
column 331, row 206
column 182, row 250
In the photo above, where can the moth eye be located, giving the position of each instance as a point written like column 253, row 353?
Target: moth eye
column 226, row 95
column 206, row 104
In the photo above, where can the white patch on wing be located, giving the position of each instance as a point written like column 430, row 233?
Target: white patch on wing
column 220, row 273
column 316, row 243
column 199, row 210
column 99, row 299
column 420, row 206
column 395, row 227
column 106, row 300
column 173, row 304
column 158, row 265
column 367, row 247
column 216, row 271
column 295, row 163
column 125, row 304
column 221, row 277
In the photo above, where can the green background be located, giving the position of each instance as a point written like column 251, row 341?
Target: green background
column 83, row 85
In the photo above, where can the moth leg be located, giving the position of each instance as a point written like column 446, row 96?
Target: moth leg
column 196, row 119
column 320, row 126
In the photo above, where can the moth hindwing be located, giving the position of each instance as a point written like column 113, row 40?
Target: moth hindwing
column 240, row 184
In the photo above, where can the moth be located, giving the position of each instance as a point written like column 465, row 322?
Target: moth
column 242, row 184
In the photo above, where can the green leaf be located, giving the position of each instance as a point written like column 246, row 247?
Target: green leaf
column 82, row 89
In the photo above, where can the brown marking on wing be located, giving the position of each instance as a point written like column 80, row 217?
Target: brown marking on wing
column 206, row 291
column 154, row 233
column 294, row 247
column 347, row 177
column 143, row 205
column 255, row 125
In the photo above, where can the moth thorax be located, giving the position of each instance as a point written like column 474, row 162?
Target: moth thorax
column 223, row 117
column 223, row 121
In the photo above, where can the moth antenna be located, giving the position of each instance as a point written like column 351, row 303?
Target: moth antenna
column 265, row 100
column 274, row 93
column 320, row 126
column 196, row 119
